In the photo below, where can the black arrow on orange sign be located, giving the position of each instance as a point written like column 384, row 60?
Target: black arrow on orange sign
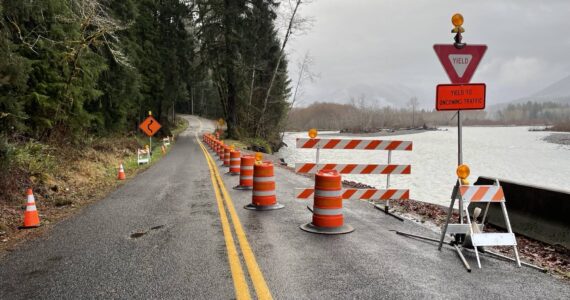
column 148, row 126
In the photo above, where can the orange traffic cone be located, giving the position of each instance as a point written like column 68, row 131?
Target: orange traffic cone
column 121, row 173
column 31, row 217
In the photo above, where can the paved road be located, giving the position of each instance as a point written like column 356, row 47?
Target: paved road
column 183, row 248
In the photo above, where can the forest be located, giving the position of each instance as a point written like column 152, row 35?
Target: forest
column 73, row 69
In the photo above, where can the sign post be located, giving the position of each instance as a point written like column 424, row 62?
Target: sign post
column 150, row 127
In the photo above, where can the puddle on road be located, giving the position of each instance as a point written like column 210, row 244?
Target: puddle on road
column 138, row 234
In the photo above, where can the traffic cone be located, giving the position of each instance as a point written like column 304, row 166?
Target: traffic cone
column 121, row 173
column 31, row 217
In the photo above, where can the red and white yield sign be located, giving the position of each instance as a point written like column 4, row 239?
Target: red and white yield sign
column 460, row 64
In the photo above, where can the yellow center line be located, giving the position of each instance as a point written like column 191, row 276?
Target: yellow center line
column 259, row 283
column 240, row 284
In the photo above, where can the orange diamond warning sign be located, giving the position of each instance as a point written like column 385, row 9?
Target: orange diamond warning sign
column 150, row 126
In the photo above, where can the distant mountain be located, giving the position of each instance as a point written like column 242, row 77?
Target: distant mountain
column 378, row 95
column 558, row 92
column 559, row 89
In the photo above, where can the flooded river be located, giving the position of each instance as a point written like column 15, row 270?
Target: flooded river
column 512, row 153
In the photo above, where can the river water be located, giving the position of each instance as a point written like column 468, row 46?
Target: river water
column 512, row 153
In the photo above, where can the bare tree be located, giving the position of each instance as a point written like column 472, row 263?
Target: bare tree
column 305, row 74
column 413, row 103
column 294, row 23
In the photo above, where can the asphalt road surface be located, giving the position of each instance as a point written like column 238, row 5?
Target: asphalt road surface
column 171, row 233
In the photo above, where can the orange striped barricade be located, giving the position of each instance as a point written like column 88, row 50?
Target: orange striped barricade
column 246, row 173
column 327, row 206
column 143, row 156
column 234, row 162
column 263, row 196
column 366, row 169
column 227, row 151
column 480, row 193
column 166, row 141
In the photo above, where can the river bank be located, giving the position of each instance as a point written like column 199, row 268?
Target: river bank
column 558, row 138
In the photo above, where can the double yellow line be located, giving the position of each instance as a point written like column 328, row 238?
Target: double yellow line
column 222, row 197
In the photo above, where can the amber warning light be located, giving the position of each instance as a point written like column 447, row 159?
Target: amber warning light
column 460, row 96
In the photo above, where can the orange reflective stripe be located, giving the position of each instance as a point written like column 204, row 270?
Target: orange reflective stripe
column 480, row 193
column 331, row 144
column 499, row 196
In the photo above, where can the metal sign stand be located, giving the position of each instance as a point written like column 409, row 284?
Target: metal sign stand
column 386, row 208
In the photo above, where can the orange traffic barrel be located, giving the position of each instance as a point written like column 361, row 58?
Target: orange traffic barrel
column 234, row 162
column 263, row 196
column 220, row 151
column 227, row 150
column 327, row 206
column 246, row 173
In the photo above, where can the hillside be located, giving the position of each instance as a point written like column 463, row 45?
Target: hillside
column 558, row 92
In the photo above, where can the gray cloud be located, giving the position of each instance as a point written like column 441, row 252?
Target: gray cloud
column 383, row 49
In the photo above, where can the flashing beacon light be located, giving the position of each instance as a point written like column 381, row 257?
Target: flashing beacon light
column 150, row 113
column 463, row 172
column 313, row 133
column 258, row 157
column 232, row 147
column 457, row 21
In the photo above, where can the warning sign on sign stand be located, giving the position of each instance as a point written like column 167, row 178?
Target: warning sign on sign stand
column 150, row 127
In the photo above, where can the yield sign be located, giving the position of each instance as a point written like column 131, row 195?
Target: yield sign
column 150, row 126
column 460, row 64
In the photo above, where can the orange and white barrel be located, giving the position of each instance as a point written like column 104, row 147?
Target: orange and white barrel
column 246, row 173
column 327, row 208
column 221, row 151
column 227, row 151
column 234, row 162
column 263, row 196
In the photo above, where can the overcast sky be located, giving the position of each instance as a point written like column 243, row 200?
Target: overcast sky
column 384, row 49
